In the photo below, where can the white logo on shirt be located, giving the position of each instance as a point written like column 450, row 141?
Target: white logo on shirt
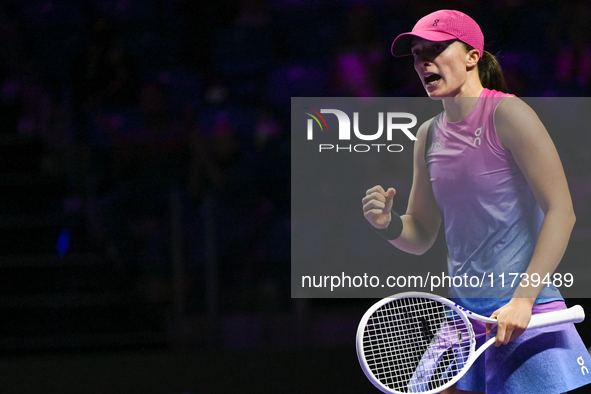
column 437, row 145
column 477, row 134
column 581, row 362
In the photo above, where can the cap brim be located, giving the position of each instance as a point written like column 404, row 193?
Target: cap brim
column 401, row 44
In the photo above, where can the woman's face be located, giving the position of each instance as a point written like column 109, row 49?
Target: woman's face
column 442, row 66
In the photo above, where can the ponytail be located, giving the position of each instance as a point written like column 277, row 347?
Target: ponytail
column 490, row 72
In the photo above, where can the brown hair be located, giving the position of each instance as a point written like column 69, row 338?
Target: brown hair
column 490, row 71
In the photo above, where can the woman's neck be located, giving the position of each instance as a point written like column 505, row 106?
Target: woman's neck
column 458, row 107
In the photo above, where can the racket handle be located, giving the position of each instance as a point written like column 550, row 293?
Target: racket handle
column 574, row 314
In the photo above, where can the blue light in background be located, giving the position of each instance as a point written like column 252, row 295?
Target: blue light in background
column 63, row 242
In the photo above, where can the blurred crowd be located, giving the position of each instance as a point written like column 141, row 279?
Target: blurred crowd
column 133, row 101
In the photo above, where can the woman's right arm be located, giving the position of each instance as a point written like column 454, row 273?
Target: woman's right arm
column 421, row 222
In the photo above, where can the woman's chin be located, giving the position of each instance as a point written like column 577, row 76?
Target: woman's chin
column 434, row 95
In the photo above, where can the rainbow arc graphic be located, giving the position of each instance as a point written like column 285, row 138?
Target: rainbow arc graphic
column 316, row 118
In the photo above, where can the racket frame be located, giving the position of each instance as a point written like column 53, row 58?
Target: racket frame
column 574, row 314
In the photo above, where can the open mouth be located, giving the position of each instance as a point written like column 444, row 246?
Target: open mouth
column 432, row 79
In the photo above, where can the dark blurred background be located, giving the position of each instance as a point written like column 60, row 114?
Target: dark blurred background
column 145, row 180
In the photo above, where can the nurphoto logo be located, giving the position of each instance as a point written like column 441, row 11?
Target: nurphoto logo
column 395, row 122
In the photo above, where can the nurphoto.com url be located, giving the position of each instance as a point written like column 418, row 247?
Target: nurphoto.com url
column 433, row 282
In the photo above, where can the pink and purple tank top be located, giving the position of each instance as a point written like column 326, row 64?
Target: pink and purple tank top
column 491, row 217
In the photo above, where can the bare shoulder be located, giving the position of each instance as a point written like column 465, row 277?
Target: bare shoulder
column 423, row 129
column 513, row 109
column 421, row 142
column 516, row 122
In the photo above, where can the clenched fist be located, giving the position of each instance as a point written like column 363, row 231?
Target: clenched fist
column 377, row 205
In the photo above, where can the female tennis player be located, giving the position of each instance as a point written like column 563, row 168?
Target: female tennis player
column 487, row 167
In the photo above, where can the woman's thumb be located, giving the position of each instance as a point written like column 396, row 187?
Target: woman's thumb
column 390, row 193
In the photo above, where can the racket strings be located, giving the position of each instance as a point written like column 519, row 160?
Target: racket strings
column 415, row 344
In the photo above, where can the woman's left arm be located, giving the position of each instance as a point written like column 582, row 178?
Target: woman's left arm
column 521, row 132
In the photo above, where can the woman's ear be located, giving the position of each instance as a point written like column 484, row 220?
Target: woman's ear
column 473, row 57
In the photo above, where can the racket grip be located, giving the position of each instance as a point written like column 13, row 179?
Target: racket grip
column 574, row 314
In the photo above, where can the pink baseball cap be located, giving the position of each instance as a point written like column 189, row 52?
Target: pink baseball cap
column 441, row 25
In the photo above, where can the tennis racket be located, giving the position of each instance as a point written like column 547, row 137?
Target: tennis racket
column 422, row 343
